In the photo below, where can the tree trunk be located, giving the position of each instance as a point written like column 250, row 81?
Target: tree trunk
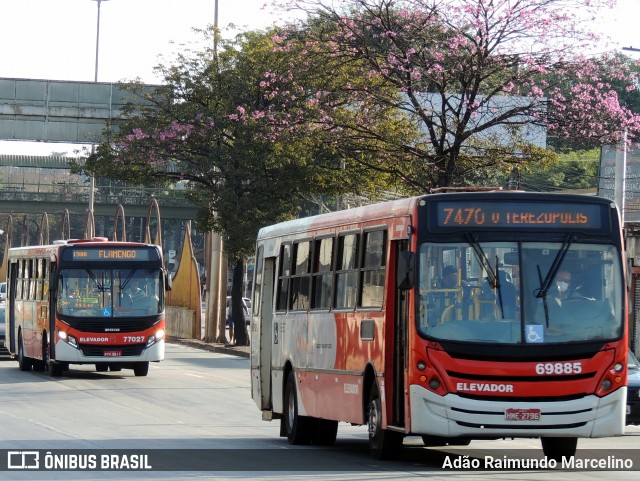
column 237, row 305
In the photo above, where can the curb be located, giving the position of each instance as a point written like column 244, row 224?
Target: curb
column 240, row 351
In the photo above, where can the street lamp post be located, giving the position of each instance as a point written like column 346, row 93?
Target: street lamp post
column 92, row 185
column 95, row 78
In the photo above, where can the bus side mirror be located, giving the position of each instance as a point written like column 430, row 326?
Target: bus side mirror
column 405, row 276
column 167, row 280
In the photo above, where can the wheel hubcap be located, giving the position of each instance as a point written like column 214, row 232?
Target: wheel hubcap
column 373, row 419
column 291, row 412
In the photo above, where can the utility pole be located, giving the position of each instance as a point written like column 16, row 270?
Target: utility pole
column 92, row 185
column 216, row 261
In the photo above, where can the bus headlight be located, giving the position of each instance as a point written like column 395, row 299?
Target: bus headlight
column 153, row 338
column 72, row 341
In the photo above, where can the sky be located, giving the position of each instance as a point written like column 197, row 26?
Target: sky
column 56, row 39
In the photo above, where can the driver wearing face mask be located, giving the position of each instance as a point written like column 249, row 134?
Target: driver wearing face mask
column 563, row 281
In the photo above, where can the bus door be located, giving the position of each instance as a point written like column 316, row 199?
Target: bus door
column 401, row 313
column 10, row 309
column 264, row 291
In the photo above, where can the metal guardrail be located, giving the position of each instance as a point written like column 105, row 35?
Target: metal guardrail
column 83, row 198
column 39, row 198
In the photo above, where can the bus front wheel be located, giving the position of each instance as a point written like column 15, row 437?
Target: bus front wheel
column 55, row 368
column 383, row 443
column 298, row 429
column 141, row 368
column 23, row 361
column 557, row 448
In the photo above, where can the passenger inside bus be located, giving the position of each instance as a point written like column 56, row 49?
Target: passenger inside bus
column 133, row 291
column 499, row 301
column 136, row 297
column 444, row 298
column 449, row 277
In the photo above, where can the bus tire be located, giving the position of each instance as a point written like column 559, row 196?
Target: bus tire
column 55, row 369
column 557, row 448
column 102, row 367
column 141, row 368
column 298, row 428
column 326, row 431
column 24, row 363
column 115, row 367
column 383, row 443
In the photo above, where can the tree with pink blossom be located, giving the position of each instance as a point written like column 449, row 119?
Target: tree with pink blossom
column 473, row 77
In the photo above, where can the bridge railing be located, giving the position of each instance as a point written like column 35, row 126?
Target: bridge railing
column 80, row 194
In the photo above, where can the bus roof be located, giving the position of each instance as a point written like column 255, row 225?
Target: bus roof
column 358, row 215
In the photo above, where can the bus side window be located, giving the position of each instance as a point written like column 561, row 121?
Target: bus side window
column 284, row 271
column 19, row 286
column 346, row 271
column 373, row 269
column 45, row 281
column 300, row 280
column 321, row 288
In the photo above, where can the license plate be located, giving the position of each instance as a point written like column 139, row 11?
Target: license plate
column 522, row 415
column 112, row 353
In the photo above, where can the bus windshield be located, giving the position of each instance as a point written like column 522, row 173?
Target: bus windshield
column 520, row 292
column 110, row 292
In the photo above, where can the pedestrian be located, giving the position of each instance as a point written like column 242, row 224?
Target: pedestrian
column 230, row 327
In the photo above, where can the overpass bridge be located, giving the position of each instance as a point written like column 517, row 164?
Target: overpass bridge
column 70, row 112
column 32, row 188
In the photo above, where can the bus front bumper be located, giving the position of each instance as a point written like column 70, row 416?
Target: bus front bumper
column 455, row 416
column 112, row 354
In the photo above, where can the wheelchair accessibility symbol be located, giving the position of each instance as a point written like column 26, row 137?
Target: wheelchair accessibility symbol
column 535, row 333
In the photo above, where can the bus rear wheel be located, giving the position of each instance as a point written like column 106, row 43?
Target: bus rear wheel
column 24, row 362
column 141, row 368
column 383, row 443
column 557, row 448
column 298, row 429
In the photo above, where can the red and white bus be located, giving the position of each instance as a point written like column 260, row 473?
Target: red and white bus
column 86, row 302
column 444, row 316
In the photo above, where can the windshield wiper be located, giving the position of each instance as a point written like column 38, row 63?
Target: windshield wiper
column 555, row 266
column 545, row 283
column 493, row 277
column 544, row 297
column 499, row 291
column 98, row 282
column 484, row 262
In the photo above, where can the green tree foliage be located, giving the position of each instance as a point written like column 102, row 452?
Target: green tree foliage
column 216, row 127
column 213, row 127
column 575, row 170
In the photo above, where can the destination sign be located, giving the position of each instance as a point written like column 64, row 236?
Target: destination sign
column 516, row 215
column 106, row 254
